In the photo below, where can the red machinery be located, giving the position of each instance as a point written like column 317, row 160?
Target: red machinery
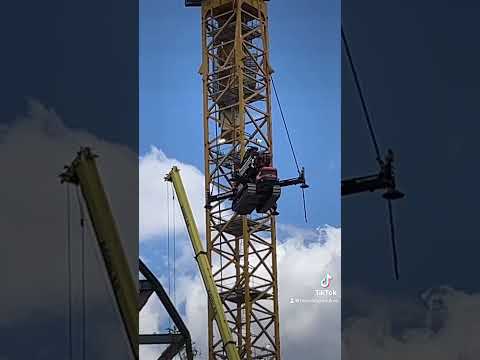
column 256, row 184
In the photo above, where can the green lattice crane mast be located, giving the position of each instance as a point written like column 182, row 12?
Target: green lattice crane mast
column 241, row 183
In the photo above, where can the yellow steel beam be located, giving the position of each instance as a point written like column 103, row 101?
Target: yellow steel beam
column 236, row 114
column 84, row 173
column 203, row 265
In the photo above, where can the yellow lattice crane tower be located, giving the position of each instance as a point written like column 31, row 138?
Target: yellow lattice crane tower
column 241, row 184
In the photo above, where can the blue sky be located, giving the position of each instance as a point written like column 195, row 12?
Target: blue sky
column 305, row 54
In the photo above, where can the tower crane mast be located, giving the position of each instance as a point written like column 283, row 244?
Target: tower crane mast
column 241, row 183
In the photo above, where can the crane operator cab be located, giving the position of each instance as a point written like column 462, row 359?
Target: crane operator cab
column 256, row 183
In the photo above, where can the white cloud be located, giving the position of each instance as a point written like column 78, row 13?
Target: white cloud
column 371, row 336
column 33, row 151
column 39, row 209
column 304, row 255
column 309, row 331
column 301, row 267
column 153, row 209
column 312, row 331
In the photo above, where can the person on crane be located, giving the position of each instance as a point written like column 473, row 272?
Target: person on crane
column 256, row 185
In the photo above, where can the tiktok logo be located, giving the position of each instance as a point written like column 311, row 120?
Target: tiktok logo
column 326, row 281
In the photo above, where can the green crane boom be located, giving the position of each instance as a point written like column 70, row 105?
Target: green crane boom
column 203, row 265
column 83, row 172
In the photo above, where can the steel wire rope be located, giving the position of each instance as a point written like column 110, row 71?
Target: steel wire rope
column 375, row 145
column 285, row 125
column 174, row 249
column 362, row 97
column 69, row 272
column 393, row 239
column 291, row 145
column 83, row 281
column 168, row 250
column 108, row 285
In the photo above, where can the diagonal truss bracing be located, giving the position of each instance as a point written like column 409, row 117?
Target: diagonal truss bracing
column 237, row 114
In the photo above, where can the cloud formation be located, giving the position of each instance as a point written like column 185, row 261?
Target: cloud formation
column 304, row 257
column 380, row 329
column 33, row 150
column 153, row 219
column 444, row 327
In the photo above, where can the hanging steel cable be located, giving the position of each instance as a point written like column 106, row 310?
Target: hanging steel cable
column 362, row 98
column 83, row 173
column 168, row 250
column 285, row 125
column 69, row 272
column 83, row 281
column 291, row 146
column 376, row 147
column 174, row 250
column 393, row 239
column 89, row 234
column 168, row 241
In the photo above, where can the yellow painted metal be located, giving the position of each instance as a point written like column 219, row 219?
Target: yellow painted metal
column 204, row 265
column 237, row 113
column 83, row 172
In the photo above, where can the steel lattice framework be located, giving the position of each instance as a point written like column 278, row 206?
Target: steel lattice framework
column 237, row 113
